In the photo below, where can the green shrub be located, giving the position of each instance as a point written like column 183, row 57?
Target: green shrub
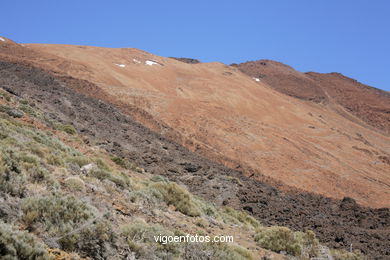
column 140, row 238
column 175, row 195
column 39, row 174
column 36, row 149
column 12, row 179
column 147, row 197
column 102, row 165
column 57, row 214
column 159, row 178
column 28, row 158
column 345, row 255
column 11, row 111
column 120, row 179
column 23, row 101
column 74, row 183
column 232, row 216
column 122, row 162
column 283, row 239
column 92, row 241
column 159, row 191
column 27, row 109
column 79, row 160
column 230, row 252
column 54, row 160
column 15, row 244
column 69, row 129
column 5, row 95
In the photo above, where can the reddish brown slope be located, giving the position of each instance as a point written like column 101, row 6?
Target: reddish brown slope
column 284, row 79
column 231, row 118
column 369, row 104
column 357, row 101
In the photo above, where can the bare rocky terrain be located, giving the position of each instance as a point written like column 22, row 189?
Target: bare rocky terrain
column 370, row 105
column 338, row 223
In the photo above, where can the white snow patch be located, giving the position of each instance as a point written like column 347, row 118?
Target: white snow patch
column 120, row 65
column 2, row 39
column 136, row 61
column 151, row 63
column 257, row 79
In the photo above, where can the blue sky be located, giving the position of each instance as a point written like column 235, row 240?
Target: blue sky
column 349, row 36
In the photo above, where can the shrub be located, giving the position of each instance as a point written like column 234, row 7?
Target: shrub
column 12, row 179
column 69, row 129
column 74, row 183
column 5, row 95
column 93, row 241
column 147, row 197
column 159, row 178
column 140, row 238
column 57, row 214
column 39, row 174
column 79, row 160
column 11, row 111
column 345, row 255
column 122, row 162
column 201, row 222
column 54, row 160
column 152, row 193
column 36, row 149
column 283, row 239
column 102, row 165
column 15, row 244
column 120, row 179
column 232, row 216
column 175, row 195
column 28, row 158
column 230, row 252
column 27, row 109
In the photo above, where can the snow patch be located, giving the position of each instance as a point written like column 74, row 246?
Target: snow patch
column 257, row 79
column 2, row 39
column 151, row 63
column 120, row 65
column 136, row 61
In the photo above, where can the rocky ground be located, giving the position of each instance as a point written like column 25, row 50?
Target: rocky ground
column 338, row 223
column 368, row 104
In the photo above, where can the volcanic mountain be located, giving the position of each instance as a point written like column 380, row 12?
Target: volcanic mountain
column 285, row 146
column 242, row 122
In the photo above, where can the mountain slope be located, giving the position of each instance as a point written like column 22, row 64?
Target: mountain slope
column 348, row 97
column 337, row 223
column 233, row 119
column 62, row 198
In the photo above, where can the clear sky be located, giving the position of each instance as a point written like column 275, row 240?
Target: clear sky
column 347, row 36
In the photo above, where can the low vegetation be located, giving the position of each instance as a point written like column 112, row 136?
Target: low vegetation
column 95, row 240
column 232, row 216
column 278, row 239
column 56, row 214
column 346, row 255
column 15, row 244
column 140, row 238
column 66, row 128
